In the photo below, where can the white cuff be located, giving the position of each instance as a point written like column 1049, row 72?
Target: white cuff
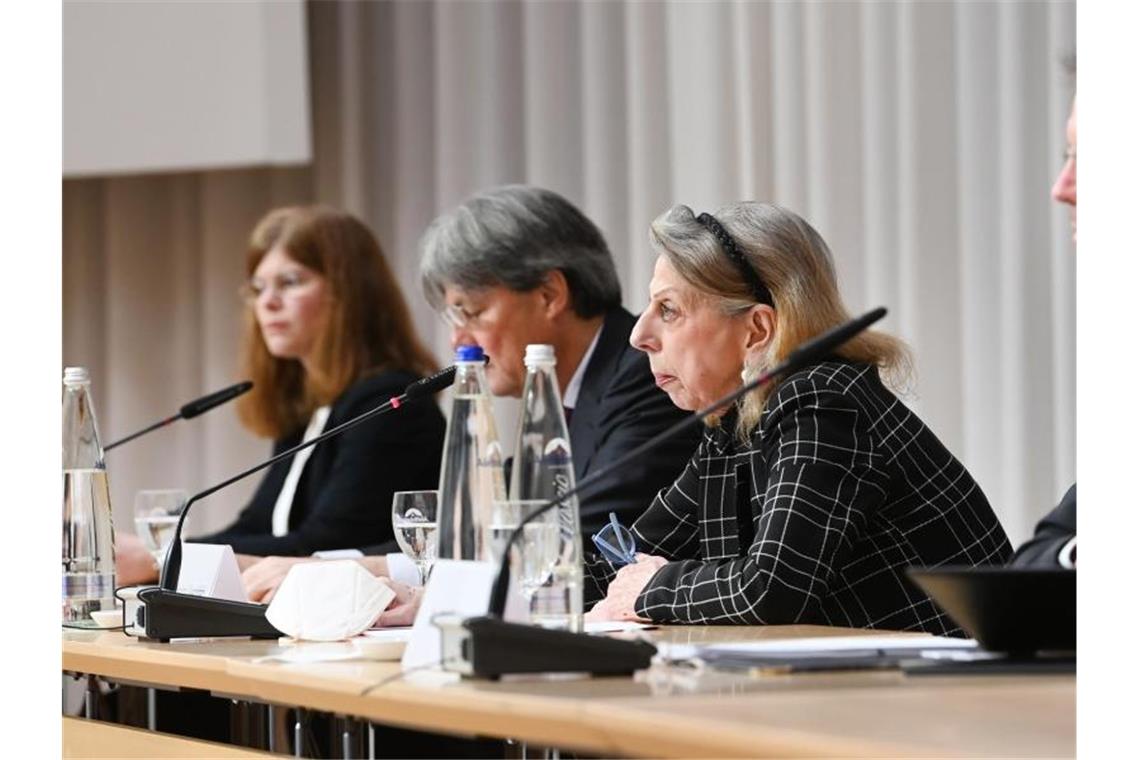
column 402, row 569
column 339, row 554
column 1068, row 556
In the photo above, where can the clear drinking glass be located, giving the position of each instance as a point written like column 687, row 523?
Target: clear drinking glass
column 156, row 517
column 414, row 523
column 535, row 552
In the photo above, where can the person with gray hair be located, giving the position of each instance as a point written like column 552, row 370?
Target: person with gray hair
column 517, row 265
column 515, row 237
column 807, row 500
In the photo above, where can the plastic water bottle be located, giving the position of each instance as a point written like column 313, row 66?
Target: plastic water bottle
column 544, row 469
column 88, row 533
column 471, row 478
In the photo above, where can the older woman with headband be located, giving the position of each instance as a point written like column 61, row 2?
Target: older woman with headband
column 806, row 501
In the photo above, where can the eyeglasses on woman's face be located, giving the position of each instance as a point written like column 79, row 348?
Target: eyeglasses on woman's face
column 285, row 285
column 293, row 316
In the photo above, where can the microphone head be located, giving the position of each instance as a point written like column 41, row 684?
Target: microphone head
column 428, row 386
column 209, row 401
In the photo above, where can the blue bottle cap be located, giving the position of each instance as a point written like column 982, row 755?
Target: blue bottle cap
column 469, row 354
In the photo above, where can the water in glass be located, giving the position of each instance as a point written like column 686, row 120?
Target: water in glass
column 415, row 523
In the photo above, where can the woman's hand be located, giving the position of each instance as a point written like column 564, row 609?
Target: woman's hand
column 262, row 578
column 134, row 564
column 624, row 589
column 246, row 561
column 403, row 609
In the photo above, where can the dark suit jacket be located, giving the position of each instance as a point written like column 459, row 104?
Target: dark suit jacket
column 344, row 496
column 1052, row 533
column 619, row 407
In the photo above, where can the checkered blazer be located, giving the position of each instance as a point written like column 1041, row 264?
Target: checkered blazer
column 813, row 520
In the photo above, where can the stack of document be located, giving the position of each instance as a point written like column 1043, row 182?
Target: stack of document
column 823, row 653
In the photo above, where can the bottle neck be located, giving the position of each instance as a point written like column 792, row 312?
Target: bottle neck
column 544, row 367
column 470, row 377
column 81, row 446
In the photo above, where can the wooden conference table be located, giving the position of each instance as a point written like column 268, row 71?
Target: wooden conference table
column 666, row 711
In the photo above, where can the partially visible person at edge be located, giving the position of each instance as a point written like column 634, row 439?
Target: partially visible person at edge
column 328, row 336
column 806, row 501
column 1054, row 541
column 517, row 265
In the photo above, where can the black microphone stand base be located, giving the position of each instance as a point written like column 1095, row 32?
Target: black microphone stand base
column 165, row 615
column 487, row 647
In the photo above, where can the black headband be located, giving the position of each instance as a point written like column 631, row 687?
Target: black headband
column 728, row 245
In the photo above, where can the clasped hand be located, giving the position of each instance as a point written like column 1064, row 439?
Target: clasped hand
column 627, row 585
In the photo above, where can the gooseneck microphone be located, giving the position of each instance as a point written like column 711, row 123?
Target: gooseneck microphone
column 560, row 651
column 420, row 388
column 169, row 614
column 190, row 410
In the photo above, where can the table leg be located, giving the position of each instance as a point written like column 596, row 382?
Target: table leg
column 271, row 720
column 91, row 697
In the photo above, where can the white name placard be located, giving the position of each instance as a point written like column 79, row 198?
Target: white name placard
column 211, row 570
column 459, row 587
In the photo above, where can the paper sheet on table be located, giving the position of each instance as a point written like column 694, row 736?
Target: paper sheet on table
column 844, row 644
column 616, row 626
column 817, row 645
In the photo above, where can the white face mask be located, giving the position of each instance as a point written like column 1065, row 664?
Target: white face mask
column 328, row 600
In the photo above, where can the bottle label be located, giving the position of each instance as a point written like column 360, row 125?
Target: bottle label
column 556, row 453
column 492, row 456
column 88, row 585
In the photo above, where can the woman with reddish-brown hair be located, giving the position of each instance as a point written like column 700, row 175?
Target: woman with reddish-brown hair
column 328, row 336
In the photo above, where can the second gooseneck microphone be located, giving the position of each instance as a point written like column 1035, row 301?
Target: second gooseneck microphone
column 417, row 390
column 189, row 411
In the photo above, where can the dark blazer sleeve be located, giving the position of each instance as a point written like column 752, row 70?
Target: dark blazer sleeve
column 379, row 550
column 344, row 500
column 632, row 411
column 815, row 478
column 1052, row 533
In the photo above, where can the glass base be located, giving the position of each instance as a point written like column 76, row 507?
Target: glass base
column 77, row 612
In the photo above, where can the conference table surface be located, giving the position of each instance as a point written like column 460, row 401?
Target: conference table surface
column 665, row 711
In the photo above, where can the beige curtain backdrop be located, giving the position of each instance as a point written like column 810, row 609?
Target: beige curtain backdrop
column 919, row 138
